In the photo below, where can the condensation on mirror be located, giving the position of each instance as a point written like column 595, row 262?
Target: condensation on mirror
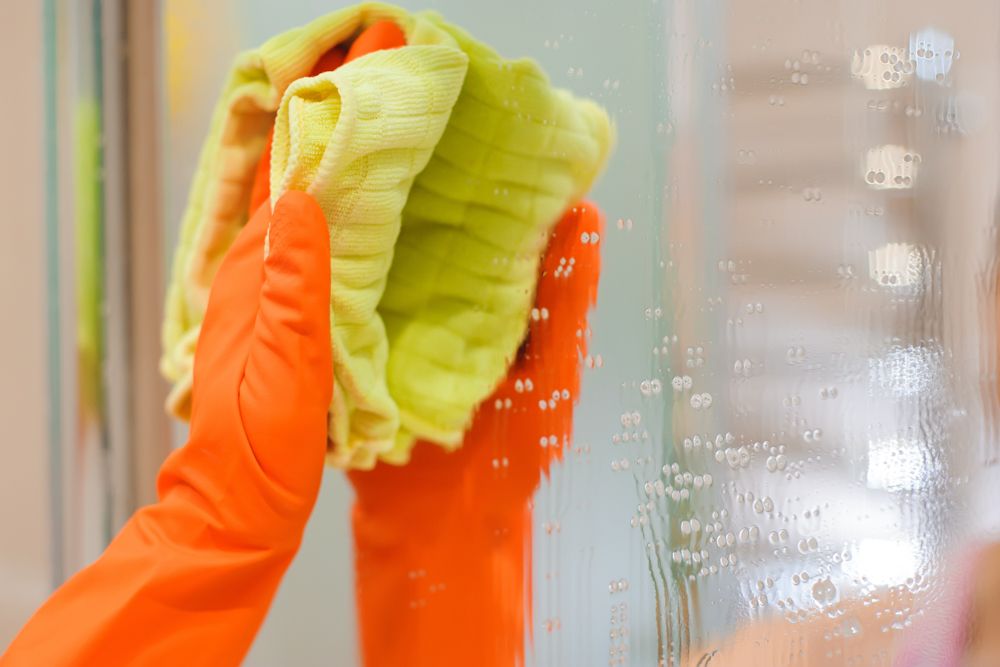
column 790, row 439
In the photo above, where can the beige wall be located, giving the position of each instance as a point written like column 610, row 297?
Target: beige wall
column 24, row 489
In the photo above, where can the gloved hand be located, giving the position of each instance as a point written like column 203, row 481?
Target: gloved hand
column 443, row 543
column 189, row 579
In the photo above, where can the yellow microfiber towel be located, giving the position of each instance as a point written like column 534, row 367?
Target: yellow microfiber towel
column 441, row 167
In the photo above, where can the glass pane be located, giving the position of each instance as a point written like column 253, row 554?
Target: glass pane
column 783, row 443
column 808, row 273
column 86, row 500
column 62, row 495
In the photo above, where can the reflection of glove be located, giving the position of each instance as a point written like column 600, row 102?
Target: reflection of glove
column 443, row 544
column 189, row 579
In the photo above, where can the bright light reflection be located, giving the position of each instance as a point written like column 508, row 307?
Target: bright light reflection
column 883, row 562
column 898, row 464
column 896, row 265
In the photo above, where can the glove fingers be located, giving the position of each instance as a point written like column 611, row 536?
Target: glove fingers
column 567, row 290
column 287, row 383
column 229, row 318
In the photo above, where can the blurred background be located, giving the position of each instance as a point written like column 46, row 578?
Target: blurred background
column 788, row 417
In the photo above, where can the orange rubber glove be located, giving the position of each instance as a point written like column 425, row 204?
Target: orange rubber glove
column 189, row 579
column 443, row 544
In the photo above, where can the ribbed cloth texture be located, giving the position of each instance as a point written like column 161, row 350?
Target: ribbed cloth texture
column 441, row 168
column 355, row 139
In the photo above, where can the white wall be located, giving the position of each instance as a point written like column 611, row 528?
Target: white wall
column 24, row 490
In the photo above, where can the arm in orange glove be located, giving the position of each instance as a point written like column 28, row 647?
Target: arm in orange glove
column 189, row 579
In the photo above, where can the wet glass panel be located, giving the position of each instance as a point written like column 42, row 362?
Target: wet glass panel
column 784, row 441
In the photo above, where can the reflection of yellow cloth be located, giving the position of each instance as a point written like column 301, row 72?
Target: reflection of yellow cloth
column 440, row 168
column 89, row 258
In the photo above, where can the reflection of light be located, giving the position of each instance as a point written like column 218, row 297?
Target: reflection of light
column 882, row 562
column 899, row 464
column 905, row 371
column 881, row 67
column 962, row 113
column 890, row 167
column 933, row 52
column 895, row 265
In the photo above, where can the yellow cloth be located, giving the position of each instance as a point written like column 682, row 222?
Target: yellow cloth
column 441, row 167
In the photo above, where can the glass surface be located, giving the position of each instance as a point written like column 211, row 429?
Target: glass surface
column 57, row 491
column 785, row 433
column 78, row 311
